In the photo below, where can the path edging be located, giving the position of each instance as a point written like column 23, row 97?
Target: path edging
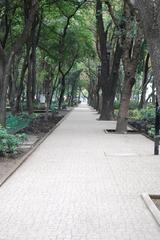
column 151, row 206
column 33, row 148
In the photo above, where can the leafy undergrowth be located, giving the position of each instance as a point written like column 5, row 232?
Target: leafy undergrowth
column 18, row 122
column 23, row 124
column 143, row 120
column 9, row 139
column 9, row 142
column 40, row 125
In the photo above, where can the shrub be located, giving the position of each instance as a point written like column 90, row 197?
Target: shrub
column 134, row 114
column 116, row 105
column 9, row 142
column 147, row 113
column 133, row 105
column 54, row 106
column 151, row 132
column 18, row 122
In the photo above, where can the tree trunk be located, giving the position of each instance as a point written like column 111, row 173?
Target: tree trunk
column 131, row 49
column 5, row 63
column 144, row 83
column 29, row 85
column 149, row 11
column 48, row 91
column 5, row 66
column 105, row 83
column 61, row 98
column 122, row 120
column 12, row 92
column 21, row 84
column 98, row 87
column 154, row 49
column 114, row 78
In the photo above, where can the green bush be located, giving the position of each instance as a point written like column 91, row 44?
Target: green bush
column 18, row 122
column 54, row 106
column 151, row 132
column 116, row 105
column 64, row 106
column 147, row 113
column 133, row 105
column 9, row 142
column 134, row 114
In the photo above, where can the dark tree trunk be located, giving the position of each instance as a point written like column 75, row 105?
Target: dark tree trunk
column 98, row 87
column 61, row 98
column 153, row 93
column 114, row 78
column 105, row 83
column 154, row 49
column 48, row 89
column 5, row 66
column 12, row 92
column 130, row 57
column 144, row 83
column 73, row 92
column 21, row 84
column 149, row 11
column 124, row 105
column 29, row 85
column 5, row 63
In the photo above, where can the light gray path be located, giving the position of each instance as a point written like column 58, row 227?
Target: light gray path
column 82, row 184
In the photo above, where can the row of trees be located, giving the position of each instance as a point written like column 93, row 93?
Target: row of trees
column 43, row 47
column 127, row 45
column 60, row 47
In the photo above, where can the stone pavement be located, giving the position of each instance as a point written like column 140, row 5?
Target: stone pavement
column 82, row 184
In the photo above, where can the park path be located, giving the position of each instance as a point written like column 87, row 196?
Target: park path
column 82, row 184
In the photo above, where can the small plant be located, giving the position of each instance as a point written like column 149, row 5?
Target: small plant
column 151, row 132
column 135, row 114
column 147, row 113
column 18, row 122
column 54, row 106
column 9, row 142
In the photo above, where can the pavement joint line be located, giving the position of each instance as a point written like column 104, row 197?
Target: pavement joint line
column 151, row 206
column 34, row 148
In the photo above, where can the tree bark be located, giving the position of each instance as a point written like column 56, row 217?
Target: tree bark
column 6, row 62
column 144, row 83
column 124, row 104
column 61, row 98
column 104, row 55
column 130, row 57
column 114, row 78
column 21, row 84
column 149, row 12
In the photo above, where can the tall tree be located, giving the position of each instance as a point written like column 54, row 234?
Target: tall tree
column 104, row 57
column 130, row 57
column 150, row 15
column 6, row 59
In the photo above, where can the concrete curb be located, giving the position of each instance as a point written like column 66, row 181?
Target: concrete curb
column 151, row 206
column 34, row 147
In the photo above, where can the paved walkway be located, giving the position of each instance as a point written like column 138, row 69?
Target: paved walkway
column 82, row 184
